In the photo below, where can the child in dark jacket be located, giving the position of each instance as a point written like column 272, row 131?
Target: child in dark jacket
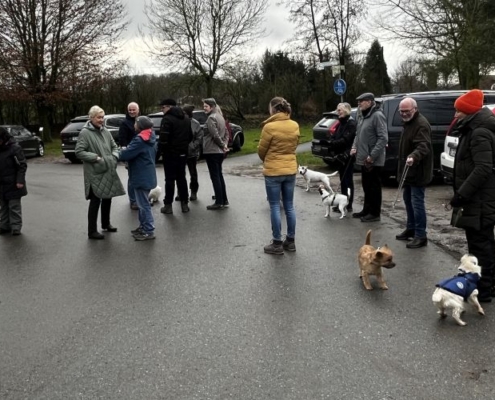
column 12, row 184
column 140, row 155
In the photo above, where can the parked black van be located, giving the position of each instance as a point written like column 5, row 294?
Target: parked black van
column 437, row 107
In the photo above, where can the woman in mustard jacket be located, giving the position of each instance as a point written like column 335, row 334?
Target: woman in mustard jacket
column 277, row 150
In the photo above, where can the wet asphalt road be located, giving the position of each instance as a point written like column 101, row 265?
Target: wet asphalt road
column 202, row 313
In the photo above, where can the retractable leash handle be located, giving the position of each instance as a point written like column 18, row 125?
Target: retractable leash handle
column 401, row 184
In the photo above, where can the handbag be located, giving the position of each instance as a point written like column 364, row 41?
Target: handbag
column 456, row 216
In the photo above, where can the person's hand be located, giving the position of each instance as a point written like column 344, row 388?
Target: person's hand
column 368, row 160
column 353, row 152
column 457, row 201
column 409, row 161
column 19, row 185
column 98, row 158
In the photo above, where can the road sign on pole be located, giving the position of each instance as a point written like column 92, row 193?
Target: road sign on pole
column 339, row 87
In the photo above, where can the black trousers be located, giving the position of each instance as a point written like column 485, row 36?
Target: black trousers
column 174, row 166
column 346, row 182
column 94, row 206
column 481, row 244
column 372, row 188
column 193, row 173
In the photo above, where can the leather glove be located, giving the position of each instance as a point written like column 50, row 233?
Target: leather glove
column 457, row 201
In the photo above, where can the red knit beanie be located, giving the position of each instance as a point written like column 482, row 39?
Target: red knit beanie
column 470, row 102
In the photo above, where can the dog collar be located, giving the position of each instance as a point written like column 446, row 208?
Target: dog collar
column 324, row 198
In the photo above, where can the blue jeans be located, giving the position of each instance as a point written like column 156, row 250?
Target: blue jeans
column 277, row 186
column 414, row 200
column 214, row 163
column 146, row 221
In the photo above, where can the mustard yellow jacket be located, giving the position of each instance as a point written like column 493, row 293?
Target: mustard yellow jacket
column 277, row 146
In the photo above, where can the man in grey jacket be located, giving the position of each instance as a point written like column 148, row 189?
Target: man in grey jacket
column 369, row 149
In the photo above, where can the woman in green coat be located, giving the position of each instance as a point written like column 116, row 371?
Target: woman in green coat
column 99, row 154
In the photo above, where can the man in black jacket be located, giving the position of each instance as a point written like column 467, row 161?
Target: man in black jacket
column 12, row 184
column 175, row 136
column 415, row 151
column 126, row 134
column 474, row 184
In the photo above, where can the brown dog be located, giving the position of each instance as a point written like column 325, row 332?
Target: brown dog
column 371, row 261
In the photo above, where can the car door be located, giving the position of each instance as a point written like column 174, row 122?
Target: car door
column 22, row 139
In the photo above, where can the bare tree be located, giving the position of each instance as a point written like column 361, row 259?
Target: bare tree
column 204, row 34
column 457, row 31
column 41, row 39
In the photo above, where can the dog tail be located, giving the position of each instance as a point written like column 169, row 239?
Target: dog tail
column 335, row 173
column 368, row 238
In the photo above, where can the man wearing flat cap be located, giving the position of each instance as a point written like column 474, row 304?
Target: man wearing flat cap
column 474, row 184
column 369, row 149
column 175, row 136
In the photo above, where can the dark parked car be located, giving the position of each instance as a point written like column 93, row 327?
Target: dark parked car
column 31, row 144
column 437, row 107
column 235, row 144
column 70, row 133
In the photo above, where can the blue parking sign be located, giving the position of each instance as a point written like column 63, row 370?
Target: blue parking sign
column 339, row 87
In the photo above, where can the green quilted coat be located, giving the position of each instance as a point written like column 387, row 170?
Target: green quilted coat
column 99, row 175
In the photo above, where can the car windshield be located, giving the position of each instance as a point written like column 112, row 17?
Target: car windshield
column 327, row 122
column 74, row 126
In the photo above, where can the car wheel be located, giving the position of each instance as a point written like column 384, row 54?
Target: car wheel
column 236, row 145
column 73, row 159
column 41, row 150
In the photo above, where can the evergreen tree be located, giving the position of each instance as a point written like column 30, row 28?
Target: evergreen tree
column 376, row 79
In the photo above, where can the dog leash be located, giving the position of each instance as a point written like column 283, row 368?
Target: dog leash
column 345, row 171
column 402, row 179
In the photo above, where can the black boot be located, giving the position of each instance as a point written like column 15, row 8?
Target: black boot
column 194, row 196
column 405, row 235
column 184, row 206
column 417, row 243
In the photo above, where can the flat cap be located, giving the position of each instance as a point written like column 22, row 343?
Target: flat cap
column 366, row 96
column 168, row 102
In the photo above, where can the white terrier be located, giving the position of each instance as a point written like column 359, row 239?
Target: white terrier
column 334, row 199
column 454, row 292
column 315, row 176
column 155, row 194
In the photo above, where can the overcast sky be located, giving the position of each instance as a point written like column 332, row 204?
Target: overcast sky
column 278, row 28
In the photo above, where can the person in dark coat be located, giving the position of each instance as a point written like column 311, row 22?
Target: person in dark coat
column 474, row 184
column 126, row 134
column 415, row 151
column 140, row 155
column 175, row 136
column 13, row 168
column 340, row 143
column 369, row 149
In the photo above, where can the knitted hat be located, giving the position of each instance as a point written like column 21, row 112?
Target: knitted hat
column 470, row 102
column 144, row 123
column 168, row 102
column 211, row 102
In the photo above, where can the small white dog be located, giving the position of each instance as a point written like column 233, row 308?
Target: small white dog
column 155, row 194
column 454, row 292
column 334, row 199
column 315, row 176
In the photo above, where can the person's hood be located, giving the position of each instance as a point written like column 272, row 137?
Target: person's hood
column 484, row 118
column 91, row 127
column 148, row 136
column 176, row 112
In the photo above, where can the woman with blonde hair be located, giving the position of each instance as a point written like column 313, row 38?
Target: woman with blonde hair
column 340, row 143
column 277, row 150
column 99, row 154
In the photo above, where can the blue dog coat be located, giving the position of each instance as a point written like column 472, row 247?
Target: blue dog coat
column 462, row 284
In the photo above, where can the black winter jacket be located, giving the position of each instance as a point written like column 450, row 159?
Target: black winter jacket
column 415, row 142
column 126, row 131
column 12, row 171
column 175, row 132
column 474, row 177
column 343, row 138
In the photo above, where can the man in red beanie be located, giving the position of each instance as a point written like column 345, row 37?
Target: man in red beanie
column 474, row 184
